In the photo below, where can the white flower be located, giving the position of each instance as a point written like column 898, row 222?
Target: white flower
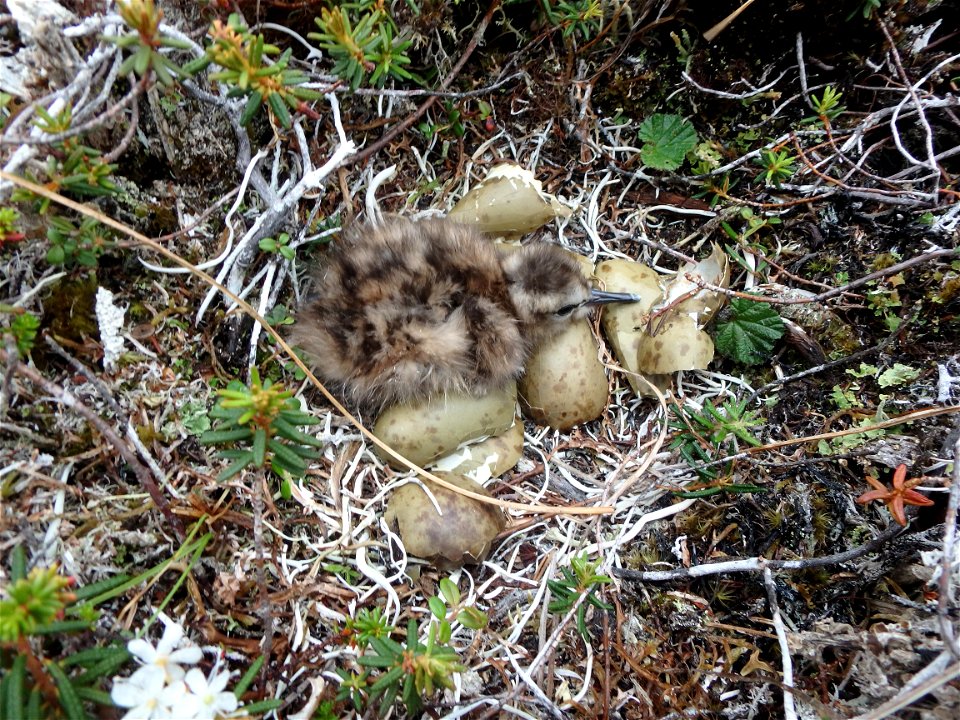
column 165, row 659
column 147, row 696
column 210, row 699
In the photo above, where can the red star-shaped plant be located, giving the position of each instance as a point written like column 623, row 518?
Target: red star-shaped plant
column 901, row 494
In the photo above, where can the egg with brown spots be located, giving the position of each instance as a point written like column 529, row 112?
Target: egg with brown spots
column 464, row 532
column 678, row 345
column 565, row 383
column 425, row 430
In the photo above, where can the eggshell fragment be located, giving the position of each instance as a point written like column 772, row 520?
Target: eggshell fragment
column 488, row 458
column 426, row 430
column 679, row 345
column 565, row 383
column 509, row 200
column 624, row 323
column 714, row 269
column 462, row 534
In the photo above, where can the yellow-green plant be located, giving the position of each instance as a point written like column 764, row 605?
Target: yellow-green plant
column 261, row 422
column 409, row 671
column 40, row 677
column 143, row 17
column 579, row 579
column 71, row 167
column 369, row 46
column 244, row 59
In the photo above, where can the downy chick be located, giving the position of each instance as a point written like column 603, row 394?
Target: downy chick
column 410, row 310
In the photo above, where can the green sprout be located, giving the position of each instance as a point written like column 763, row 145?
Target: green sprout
column 41, row 672
column 280, row 245
column 409, row 671
column 581, row 17
column 9, row 232
column 72, row 244
column 702, row 434
column 72, row 167
column 263, row 419
column 777, row 166
column 34, row 601
column 243, row 59
column 866, row 9
column 370, row 46
column 755, row 223
column 367, row 625
column 23, row 327
column 828, row 106
column 412, row 670
column 143, row 17
column 579, row 579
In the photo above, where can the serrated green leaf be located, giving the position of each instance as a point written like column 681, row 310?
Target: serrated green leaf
column 899, row 374
column 748, row 337
column 667, row 139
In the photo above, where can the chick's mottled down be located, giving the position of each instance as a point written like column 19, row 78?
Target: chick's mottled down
column 409, row 310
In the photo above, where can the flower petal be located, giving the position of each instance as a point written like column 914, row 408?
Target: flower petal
column 870, row 496
column 186, row 656
column 899, row 475
column 142, row 650
column 172, row 635
column 125, row 694
column 912, row 497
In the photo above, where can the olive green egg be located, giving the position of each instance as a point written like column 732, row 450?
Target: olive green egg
column 624, row 324
column 565, row 383
column 426, row 430
column 463, row 533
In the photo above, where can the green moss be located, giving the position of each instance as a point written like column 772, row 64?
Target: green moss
column 68, row 308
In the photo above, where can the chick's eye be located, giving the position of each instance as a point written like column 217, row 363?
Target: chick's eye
column 566, row 310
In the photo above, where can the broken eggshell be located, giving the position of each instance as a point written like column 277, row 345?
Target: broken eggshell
column 462, row 534
column 488, row 458
column 675, row 340
column 624, row 323
column 678, row 345
column 703, row 306
column 426, row 430
column 508, row 201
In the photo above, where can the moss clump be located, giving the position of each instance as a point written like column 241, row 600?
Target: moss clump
column 68, row 308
